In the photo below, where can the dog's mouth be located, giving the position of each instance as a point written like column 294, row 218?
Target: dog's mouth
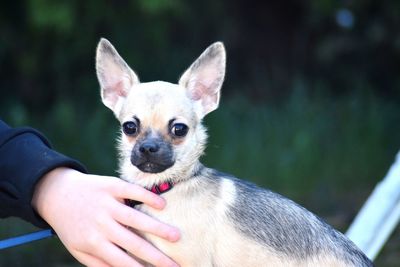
column 151, row 167
column 152, row 155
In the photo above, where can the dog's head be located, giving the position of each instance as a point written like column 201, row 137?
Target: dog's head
column 161, row 132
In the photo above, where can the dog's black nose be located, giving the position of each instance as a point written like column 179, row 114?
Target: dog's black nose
column 149, row 148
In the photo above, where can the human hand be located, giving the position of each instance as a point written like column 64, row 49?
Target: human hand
column 89, row 216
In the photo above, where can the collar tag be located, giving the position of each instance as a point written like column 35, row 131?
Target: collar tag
column 161, row 188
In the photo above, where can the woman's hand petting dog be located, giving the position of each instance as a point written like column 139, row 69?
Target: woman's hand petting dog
column 89, row 216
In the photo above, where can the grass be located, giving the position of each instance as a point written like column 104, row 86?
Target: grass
column 325, row 153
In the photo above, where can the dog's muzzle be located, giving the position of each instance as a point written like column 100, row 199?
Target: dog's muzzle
column 152, row 155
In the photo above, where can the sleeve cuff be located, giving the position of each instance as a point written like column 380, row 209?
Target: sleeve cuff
column 27, row 157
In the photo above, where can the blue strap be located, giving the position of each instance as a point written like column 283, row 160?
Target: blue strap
column 19, row 240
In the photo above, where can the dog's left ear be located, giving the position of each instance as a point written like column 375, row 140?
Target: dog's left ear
column 204, row 78
column 115, row 76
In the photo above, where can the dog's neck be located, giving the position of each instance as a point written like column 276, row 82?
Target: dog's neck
column 149, row 180
column 165, row 185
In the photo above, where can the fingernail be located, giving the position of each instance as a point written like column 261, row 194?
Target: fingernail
column 174, row 235
column 161, row 203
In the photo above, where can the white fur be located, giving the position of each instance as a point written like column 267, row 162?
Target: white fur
column 227, row 195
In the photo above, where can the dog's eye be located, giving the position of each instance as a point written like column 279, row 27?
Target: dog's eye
column 130, row 128
column 179, row 129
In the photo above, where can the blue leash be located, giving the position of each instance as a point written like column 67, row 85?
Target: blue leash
column 23, row 239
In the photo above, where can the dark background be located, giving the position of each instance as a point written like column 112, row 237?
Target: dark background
column 310, row 106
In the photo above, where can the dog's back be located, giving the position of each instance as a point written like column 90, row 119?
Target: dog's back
column 289, row 230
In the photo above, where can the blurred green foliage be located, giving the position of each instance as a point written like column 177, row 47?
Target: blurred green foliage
column 310, row 105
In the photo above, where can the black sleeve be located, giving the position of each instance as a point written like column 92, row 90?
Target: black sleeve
column 25, row 156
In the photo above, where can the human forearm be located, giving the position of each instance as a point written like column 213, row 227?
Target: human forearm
column 25, row 157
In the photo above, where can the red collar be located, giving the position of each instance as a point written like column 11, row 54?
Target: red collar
column 156, row 189
column 161, row 188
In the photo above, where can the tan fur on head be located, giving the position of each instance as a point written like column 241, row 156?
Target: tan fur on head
column 155, row 104
column 155, row 111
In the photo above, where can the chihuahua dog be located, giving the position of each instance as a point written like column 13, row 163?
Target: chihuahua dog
column 223, row 221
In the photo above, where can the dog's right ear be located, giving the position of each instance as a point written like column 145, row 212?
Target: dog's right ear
column 114, row 75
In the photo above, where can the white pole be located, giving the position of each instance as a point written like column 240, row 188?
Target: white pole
column 380, row 214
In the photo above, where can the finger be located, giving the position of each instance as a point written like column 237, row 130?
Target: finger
column 125, row 190
column 142, row 222
column 114, row 256
column 89, row 260
column 139, row 247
